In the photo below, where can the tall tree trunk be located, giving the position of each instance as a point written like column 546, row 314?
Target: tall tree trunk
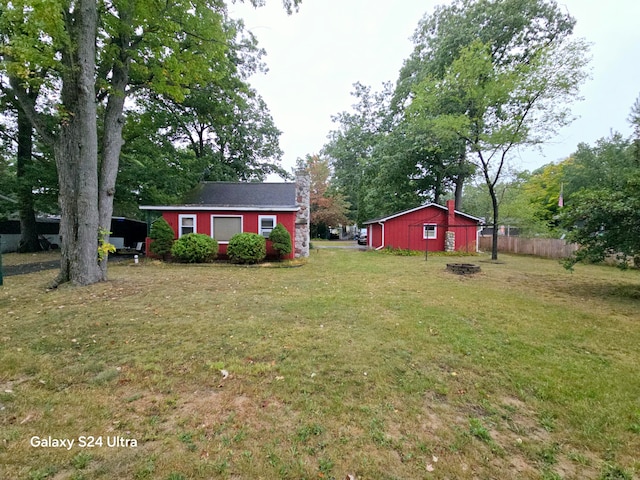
column 494, row 204
column 112, row 137
column 111, row 147
column 459, row 184
column 491, row 185
column 76, row 152
column 28, row 227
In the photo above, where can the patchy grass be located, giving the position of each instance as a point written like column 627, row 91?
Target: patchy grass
column 358, row 363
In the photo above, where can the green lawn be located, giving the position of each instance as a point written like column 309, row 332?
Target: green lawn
column 356, row 363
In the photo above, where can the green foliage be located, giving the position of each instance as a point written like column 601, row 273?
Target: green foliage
column 353, row 146
column 247, row 248
column 614, row 472
column 528, row 201
column 515, row 28
column 162, row 238
column 478, row 430
column 608, row 164
column 401, row 252
column 606, row 223
column 104, row 247
column 281, row 240
column 603, row 213
column 195, row 248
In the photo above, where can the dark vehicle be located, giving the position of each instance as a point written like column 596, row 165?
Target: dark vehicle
column 361, row 237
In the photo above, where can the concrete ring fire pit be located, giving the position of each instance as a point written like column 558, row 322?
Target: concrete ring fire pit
column 463, row 268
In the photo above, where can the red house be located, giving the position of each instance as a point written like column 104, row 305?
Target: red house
column 430, row 227
column 222, row 209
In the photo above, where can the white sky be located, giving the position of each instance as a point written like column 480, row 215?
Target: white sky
column 316, row 55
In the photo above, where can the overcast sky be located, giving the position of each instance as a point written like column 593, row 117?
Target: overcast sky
column 316, row 55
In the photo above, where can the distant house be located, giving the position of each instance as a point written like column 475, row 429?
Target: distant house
column 222, row 209
column 429, row 227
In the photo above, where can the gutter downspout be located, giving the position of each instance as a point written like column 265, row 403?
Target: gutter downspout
column 382, row 244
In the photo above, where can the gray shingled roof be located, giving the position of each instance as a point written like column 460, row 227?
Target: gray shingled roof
column 229, row 194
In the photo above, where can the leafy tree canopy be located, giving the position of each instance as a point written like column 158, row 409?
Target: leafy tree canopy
column 603, row 212
column 502, row 89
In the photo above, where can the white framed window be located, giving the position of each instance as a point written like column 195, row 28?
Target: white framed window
column 223, row 227
column 430, row 231
column 266, row 223
column 187, row 224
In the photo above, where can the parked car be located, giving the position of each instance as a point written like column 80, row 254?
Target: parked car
column 361, row 237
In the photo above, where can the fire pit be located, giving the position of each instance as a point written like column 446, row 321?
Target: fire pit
column 463, row 268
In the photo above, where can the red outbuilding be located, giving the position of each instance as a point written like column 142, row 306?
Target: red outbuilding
column 430, row 227
column 222, row 209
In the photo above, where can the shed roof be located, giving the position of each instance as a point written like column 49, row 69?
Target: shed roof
column 237, row 196
column 411, row 210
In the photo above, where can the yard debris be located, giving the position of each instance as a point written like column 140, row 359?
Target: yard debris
column 350, row 477
column 225, row 374
column 26, row 419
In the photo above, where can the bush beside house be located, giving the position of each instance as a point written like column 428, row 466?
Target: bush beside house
column 162, row 238
column 280, row 240
column 247, row 248
column 195, row 248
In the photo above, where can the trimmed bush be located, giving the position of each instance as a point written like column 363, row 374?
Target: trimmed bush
column 280, row 240
column 195, row 248
column 247, row 248
column 162, row 237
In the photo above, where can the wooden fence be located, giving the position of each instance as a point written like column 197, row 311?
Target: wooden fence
column 540, row 247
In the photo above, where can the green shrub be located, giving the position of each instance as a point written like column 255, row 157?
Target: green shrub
column 247, row 248
column 400, row 252
column 280, row 240
column 162, row 237
column 195, row 248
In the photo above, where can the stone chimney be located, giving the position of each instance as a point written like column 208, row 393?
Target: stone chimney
column 303, row 217
column 450, row 234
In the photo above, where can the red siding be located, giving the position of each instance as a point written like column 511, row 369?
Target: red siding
column 406, row 231
column 249, row 223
